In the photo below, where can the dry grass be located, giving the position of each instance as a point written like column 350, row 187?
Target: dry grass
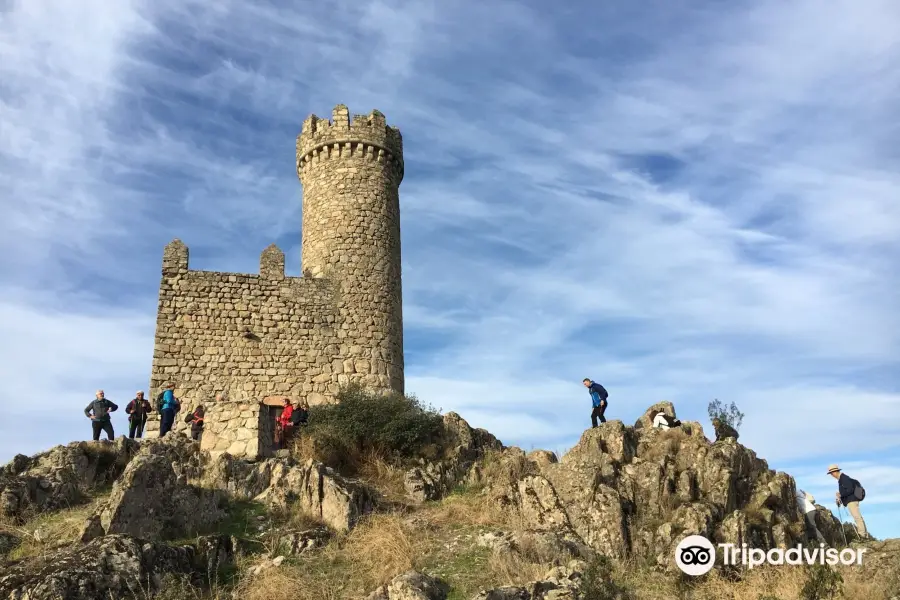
column 467, row 510
column 383, row 546
column 512, row 568
column 378, row 549
column 667, row 443
column 371, row 467
column 499, row 467
column 385, row 477
column 48, row 531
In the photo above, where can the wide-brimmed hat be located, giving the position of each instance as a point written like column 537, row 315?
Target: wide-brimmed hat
column 833, row 469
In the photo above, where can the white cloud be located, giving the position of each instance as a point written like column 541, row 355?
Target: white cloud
column 684, row 204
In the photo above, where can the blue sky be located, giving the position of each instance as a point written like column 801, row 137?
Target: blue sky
column 684, row 201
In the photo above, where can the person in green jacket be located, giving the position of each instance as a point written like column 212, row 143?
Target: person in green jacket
column 98, row 412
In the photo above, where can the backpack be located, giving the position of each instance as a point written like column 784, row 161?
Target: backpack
column 671, row 421
column 159, row 402
column 859, row 492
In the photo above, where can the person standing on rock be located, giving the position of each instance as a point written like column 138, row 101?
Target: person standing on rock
column 598, row 399
column 98, row 412
column 137, row 410
column 196, row 421
column 284, row 424
column 807, row 506
column 168, row 407
column 849, row 494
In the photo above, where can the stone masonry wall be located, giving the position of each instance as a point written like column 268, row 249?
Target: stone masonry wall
column 351, row 173
column 249, row 336
column 234, row 427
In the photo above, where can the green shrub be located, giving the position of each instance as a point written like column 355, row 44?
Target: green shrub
column 822, row 582
column 598, row 583
column 362, row 423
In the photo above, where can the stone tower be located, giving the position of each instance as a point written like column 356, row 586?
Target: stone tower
column 351, row 173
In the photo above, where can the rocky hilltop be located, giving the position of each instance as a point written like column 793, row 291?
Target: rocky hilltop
column 160, row 518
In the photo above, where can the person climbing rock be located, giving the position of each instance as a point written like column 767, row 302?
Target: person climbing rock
column 98, row 412
column 195, row 419
column 663, row 421
column 849, row 494
column 807, row 506
column 598, row 399
column 137, row 411
column 168, row 406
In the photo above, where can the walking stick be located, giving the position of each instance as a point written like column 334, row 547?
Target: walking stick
column 841, row 517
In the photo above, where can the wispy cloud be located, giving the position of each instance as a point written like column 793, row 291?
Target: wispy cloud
column 684, row 202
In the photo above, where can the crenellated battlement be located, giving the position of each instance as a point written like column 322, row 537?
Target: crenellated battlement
column 365, row 136
column 176, row 262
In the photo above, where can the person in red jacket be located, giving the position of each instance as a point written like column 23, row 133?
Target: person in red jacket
column 284, row 426
column 137, row 410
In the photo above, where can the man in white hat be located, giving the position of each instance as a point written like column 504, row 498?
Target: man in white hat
column 849, row 493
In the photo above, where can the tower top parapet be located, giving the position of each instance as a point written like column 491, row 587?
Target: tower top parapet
column 370, row 132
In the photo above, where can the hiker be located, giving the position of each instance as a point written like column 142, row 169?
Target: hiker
column 283, row 425
column 663, row 421
column 300, row 416
column 167, row 405
column 137, row 411
column 195, row 420
column 849, row 494
column 807, row 506
column 98, row 412
column 598, row 399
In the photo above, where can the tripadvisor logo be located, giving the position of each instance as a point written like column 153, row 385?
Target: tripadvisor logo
column 695, row 555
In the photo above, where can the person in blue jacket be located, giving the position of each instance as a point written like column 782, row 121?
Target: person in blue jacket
column 598, row 400
column 168, row 405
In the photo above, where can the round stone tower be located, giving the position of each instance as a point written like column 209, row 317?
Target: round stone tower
column 351, row 174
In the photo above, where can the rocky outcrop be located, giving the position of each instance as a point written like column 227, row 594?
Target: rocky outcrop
column 151, row 500
column 411, row 585
column 537, row 546
column 115, row 566
column 318, row 490
column 561, row 583
column 172, row 489
column 62, row 476
column 646, row 419
column 881, row 561
column 432, row 480
column 637, row 491
column 288, row 542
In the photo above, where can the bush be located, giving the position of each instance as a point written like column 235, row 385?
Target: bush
column 598, row 583
column 730, row 415
column 822, row 582
column 363, row 423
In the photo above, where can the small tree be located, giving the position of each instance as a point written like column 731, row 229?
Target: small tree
column 730, row 415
